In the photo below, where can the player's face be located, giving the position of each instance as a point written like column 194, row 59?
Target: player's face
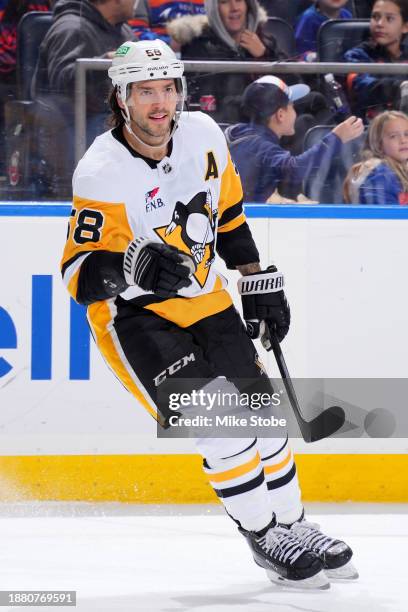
column 152, row 106
column 395, row 140
column 386, row 24
column 233, row 14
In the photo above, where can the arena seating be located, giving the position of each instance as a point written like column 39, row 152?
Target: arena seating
column 325, row 183
column 337, row 36
column 283, row 33
column 30, row 33
column 289, row 10
column 20, row 137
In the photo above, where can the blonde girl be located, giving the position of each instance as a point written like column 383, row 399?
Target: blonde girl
column 382, row 177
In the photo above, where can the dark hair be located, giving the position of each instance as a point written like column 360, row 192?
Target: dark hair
column 115, row 119
column 402, row 5
column 260, row 101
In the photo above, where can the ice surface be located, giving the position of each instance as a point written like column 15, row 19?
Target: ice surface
column 186, row 558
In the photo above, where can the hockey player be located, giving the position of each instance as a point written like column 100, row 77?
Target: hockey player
column 153, row 198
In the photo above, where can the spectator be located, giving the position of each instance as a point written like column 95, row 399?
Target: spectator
column 382, row 178
column 231, row 30
column 81, row 28
column 262, row 162
column 388, row 26
column 11, row 15
column 151, row 16
column 310, row 21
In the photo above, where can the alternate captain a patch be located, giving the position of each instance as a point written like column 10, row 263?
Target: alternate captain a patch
column 212, row 168
column 192, row 229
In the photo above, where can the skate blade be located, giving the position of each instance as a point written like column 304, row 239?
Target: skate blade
column 346, row 572
column 318, row 581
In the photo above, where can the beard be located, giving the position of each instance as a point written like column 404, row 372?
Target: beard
column 149, row 129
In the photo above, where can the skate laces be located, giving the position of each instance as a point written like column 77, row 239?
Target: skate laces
column 311, row 536
column 282, row 544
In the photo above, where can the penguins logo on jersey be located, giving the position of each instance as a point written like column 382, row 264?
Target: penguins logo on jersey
column 192, row 230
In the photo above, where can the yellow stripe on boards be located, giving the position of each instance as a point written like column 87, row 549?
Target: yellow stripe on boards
column 180, row 478
column 240, row 470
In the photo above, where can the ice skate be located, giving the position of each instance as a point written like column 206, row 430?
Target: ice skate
column 286, row 561
column 335, row 554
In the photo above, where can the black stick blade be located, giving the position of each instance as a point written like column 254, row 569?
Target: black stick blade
column 324, row 425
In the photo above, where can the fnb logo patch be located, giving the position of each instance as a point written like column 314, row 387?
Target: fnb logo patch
column 152, row 200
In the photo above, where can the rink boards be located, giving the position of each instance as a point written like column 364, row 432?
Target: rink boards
column 69, row 431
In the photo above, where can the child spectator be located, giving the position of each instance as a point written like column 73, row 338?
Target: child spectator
column 152, row 16
column 369, row 93
column 382, row 178
column 310, row 21
column 255, row 148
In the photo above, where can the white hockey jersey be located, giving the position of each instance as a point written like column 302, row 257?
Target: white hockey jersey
column 183, row 200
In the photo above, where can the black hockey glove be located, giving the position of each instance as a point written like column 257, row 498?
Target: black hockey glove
column 157, row 267
column 264, row 304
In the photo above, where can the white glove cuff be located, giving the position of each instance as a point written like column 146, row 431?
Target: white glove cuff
column 263, row 282
column 131, row 255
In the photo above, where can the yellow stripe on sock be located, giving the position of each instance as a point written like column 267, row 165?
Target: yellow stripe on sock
column 270, row 469
column 240, row 470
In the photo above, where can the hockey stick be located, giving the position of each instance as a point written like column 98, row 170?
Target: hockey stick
column 327, row 422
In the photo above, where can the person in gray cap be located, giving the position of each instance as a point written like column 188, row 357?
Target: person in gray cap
column 262, row 162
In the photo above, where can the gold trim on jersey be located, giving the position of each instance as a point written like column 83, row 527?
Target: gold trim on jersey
column 187, row 311
column 231, row 188
column 71, row 274
column 100, row 318
column 113, row 235
column 233, row 224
